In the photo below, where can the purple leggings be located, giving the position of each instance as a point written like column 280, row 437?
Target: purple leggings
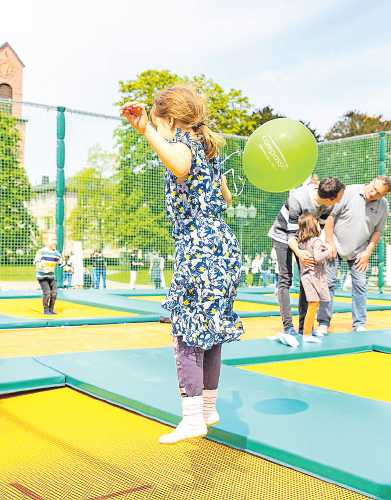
column 197, row 369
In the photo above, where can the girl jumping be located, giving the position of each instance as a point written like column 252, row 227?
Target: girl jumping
column 314, row 278
column 207, row 255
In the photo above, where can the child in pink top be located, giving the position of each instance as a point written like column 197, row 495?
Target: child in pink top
column 314, row 278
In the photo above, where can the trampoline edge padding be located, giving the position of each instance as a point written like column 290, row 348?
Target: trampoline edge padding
column 237, row 441
column 23, row 324
column 26, row 374
column 143, row 381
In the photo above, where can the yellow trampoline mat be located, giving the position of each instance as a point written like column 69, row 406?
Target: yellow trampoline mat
column 54, row 340
column 60, row 444
column 363, row 374
column 32, row 309
column 239, row 305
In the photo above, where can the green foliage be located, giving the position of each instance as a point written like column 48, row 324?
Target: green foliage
column 356, row 123
column 112, row 206
column 17, row 227
column 139, row 212
column 229, row 111
column 261, row 116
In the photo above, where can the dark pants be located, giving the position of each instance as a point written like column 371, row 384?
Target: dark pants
column 256, row 279
column 49, row 292
column 197, row 369
column 284, row 259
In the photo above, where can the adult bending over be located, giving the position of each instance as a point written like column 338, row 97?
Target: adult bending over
column 354, row 229
column 316, row 200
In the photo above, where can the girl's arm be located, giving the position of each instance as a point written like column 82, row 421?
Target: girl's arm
column 225, row 190
column 322, row 251
column 175, row 156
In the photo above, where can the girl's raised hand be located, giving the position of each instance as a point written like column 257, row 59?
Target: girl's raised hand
column 136, row 115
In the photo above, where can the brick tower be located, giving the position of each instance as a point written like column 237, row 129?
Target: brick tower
column 11, row 87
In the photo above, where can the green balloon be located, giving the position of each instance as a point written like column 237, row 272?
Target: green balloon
column 280, row 155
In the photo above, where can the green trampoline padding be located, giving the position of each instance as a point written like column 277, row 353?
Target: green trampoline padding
column 322, row 432
column 25, row 374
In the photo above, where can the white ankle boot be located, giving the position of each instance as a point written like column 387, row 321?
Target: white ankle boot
column 192, row 423
column 211, row 416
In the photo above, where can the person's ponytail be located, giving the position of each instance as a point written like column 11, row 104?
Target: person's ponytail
column 212, row 141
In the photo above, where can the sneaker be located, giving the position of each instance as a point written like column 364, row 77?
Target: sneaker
column 360, row 328
column 290, row 331
column 311, row 338
column 321, row 331
column 288, row 339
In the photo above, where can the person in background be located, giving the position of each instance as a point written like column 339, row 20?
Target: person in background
column 256, row 269
column 46, row 260
column 135, row 264
column 68, row 271
column 162, row 265
column 264, row 268
column 354, row 229
column 100, row 269
column 77, row 262
column 93, row 266
column 155, row 271
column 244, row 270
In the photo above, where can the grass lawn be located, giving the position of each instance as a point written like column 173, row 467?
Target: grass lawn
column 142, row 277
column 17, row 273
column 27, row 273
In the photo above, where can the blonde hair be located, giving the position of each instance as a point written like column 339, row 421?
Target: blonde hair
column 308, row 227
column 188, row 108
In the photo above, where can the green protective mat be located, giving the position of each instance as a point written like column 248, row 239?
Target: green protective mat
column 24, row 374
column 322, row 432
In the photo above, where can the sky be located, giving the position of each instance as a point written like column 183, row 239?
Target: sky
column 308, row 60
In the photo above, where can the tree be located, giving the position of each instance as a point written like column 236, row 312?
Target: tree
column 138, row 215
column 94, row 190
column 18, row 230
column 261, row 116
column 229, row 111
column 357, row 123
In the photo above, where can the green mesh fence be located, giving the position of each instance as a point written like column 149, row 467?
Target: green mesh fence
column 107, row 204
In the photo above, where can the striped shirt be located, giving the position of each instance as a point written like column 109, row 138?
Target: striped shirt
column 46, row 261
column 300, row 201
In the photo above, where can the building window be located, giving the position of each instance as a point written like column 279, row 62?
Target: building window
column 5, row 93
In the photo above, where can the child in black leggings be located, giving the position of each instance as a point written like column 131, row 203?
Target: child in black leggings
column 46, row 261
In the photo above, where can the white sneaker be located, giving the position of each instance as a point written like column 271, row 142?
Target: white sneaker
column 192, row 424
column 360, row 328
column 321, row 331
column 311, row 338
column 289, row 340
column 211, row 416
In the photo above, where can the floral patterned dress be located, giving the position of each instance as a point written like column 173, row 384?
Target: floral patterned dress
column 207, row 255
